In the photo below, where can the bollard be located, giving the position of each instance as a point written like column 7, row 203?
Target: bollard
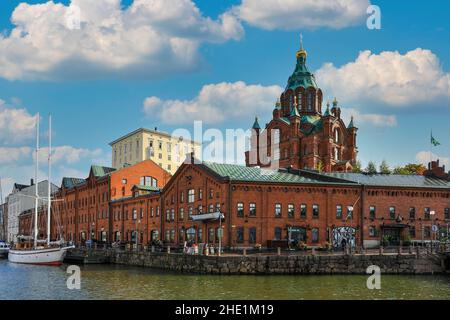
column 278, row 251
column 381, row 250
column 168, row 249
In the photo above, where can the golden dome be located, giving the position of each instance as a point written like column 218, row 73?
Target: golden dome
column 302, row 52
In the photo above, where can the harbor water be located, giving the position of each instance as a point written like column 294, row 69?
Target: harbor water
column 22, row 282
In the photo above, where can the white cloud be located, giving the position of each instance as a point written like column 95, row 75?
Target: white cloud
column 150, row 37
column 16, row 125
column 423, row 157
column 68, row 154
column 216, row 103
column 377, row 120
column 295, row 14
column 12, row 155
column 390, row 78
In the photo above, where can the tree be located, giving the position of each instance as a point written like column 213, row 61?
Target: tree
column 410, row 168
column 371, row 168
column 384, row 168
column 320, row 166
column 357, row 167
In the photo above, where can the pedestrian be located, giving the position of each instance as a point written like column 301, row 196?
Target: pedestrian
column 344, row 244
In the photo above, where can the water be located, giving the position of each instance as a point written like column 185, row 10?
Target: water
column 119, row 282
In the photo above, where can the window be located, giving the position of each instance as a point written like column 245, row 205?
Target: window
column 372, row 212
column 172, row 214
column 338, row 212
column 157, row 211
column 336, row 136
column 200, row 209
column 427, row 232
column 124, row 181
column 200, row 235
column 182, row 197
column 181, row 214
column 303, row 211
column 392, row 213
column 412, row 213
column 315, row 235
column 447, row 213
column 160, row 145
column 190, row 212
column 142, row 213
column 181, row 235
column 152, row 212
column 218, row 207
column 278, row 210
column 291, row 211
column 372, row 231
column 167, row 235
column 191, row 195
column 277, row 233
column 427, row 214
column 169, row 147
column 200, row 194
column 315, row 212
column 240, row 209
column 240, row 235
column 211, row 235
column 412, row 232
column 134, row 214
column 252, row 210
column 252, row 235
column 211, row 208
column 167, row 215
column 211, row 193
column 172, row 235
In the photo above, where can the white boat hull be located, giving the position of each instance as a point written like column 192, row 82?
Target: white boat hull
column 49, row 256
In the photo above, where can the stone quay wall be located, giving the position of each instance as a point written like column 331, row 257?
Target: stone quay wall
column 283, row 264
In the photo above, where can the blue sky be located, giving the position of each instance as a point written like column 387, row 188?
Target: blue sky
column 92, row 106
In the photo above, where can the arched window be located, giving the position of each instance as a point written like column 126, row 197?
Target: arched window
column 336, row 136
column 336, row 154
column 310, row 101
column 299, row 100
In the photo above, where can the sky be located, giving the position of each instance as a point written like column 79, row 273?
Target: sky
column 105, row 68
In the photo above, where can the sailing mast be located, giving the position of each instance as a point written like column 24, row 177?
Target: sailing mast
column 49, row 201
column 36, row 184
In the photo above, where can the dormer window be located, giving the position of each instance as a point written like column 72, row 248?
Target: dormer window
column 310, row 101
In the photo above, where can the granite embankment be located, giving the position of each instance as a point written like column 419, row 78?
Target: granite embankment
column 407, row 263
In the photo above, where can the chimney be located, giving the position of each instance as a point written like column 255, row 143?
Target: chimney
column 32, row 182
column 156, row 128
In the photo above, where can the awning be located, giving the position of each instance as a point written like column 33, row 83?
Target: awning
column 208, row 216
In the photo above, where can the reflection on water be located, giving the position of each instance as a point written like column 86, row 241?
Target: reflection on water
column 120, row 282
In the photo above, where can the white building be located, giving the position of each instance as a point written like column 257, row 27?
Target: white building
column 22, row 198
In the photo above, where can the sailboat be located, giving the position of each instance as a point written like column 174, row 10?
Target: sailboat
column 49, row 253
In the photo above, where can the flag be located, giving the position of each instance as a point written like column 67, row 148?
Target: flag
column 434, row 142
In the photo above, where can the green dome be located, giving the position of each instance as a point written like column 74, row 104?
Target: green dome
column 301, row 77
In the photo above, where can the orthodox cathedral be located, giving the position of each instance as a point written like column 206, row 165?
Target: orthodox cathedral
column 299, row 135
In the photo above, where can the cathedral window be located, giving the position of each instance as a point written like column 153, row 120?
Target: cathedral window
column 310, row 101
column 336, row 136
column 299, row 100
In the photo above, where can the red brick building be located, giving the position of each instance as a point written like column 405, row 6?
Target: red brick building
column 82, row 210
column 299, row 134
column 264, row 207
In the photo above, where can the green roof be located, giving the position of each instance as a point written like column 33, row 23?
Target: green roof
column 100, row 171
column 351, row 125
column 392, row 180
column 294, row 112
column 146, row 188
column 256, row 124
column 301, row 77
column 70, row 183
column 243, row 173
column 315, row 121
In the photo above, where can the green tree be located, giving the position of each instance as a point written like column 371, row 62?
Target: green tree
column 384, row 168
column 371, row 168
column 357, row 167
column 410, row 168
